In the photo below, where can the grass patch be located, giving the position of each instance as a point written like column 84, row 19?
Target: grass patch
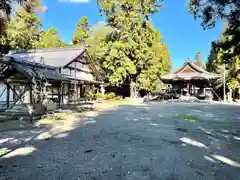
column 188, row 117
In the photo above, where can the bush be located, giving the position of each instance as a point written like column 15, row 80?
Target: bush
column 109, row 96
column 99, row 96
column 91, row 95
column 117, row 98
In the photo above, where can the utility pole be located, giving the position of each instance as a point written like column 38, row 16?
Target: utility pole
column 224, row 83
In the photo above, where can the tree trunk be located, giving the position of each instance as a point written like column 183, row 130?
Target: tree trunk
column 131, row 88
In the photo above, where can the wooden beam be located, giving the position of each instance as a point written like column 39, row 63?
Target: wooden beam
column 8, row 95
column 81, row 70
column 14, row 91
column 3, row 69
column 19, row 98
column 74, row 59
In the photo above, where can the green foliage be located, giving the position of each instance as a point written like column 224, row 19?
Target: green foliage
column 6, row 5
column 160, row 86
column 117, row 98
column 23, row 32
column 213, row 10
column 216, row 61
column 99, row 96
column 50, row 39
column 133, row 50
column 82, row 31
column 91, row 95
column 95, row 41
column 187, row 117
column 26, row 6
column 109, row 96
column 233, row 84
column 98, row 36
column 146, row 7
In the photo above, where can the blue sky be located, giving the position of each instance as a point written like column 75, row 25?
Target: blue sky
column 183, row 35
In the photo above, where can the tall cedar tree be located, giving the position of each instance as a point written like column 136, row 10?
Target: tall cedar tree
column 134, row 50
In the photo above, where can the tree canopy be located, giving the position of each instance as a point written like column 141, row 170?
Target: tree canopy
column 216, row 61
column 128, row 48
column 24, row 32
column 213, row 10
column 133, row 51
column 27, row 5
column 82, row 31
column 50, row 39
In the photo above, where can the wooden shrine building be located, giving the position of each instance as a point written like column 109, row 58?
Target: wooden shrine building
column 190, row 79
column 64, row 75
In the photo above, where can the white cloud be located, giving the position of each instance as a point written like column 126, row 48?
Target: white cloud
column 73, row 1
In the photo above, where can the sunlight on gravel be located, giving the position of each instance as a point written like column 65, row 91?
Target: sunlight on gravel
column 4, row 151
column 21, row 152
column 226, row 160
column 193, row 142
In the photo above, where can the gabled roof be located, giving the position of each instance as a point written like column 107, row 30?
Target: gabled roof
column 36, row 70
column 189, row 71
column 194, row 67
column 57, row 57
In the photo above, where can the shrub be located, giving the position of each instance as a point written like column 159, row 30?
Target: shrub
column 91, row 95
column 117, row 98
column 99, row 96
column 109, row 96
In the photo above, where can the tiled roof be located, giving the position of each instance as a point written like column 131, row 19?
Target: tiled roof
column 36, row 70
column 197, row 74
column 57, row 57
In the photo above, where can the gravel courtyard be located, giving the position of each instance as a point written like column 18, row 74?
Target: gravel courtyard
column 135, row 142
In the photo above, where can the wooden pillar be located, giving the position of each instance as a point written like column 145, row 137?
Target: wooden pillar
column 30, row 95
column 68, row 92
column 77, row 91
column 8, row 96
column 14, row 95
column 59, row 96
column 75, row 83
column 62, row 93
column 80, row 90
column 194, row 89
column 31, row 102
column 187, row 88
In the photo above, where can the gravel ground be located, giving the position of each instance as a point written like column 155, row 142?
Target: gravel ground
column 152, row 141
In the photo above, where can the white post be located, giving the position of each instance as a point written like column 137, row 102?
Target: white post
column 224, row 83
column 102, row 89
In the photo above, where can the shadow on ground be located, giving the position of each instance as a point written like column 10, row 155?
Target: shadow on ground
column 149, row 141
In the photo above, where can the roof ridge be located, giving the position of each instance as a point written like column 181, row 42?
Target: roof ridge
column 192, row 65
column 66, row 48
